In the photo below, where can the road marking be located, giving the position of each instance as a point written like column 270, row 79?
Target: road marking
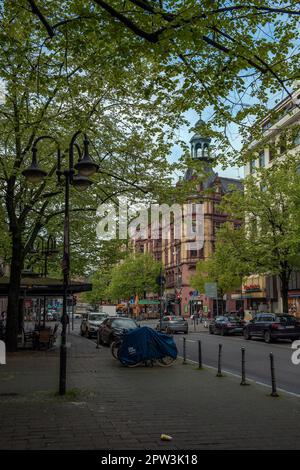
column 239, row 377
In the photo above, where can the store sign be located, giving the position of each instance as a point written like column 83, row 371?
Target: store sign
column 211, row 290
column 252, row 288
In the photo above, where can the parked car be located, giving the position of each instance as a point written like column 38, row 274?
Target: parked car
column 173, row 324
column 91, row 322
column 271, row 326
column 226, row 325
column 113, row 327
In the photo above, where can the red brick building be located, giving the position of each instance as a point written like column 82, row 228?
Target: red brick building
column 178, row 259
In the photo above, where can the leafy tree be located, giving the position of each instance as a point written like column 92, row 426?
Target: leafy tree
column 57, row 87
column 229, row 56
column 221, row 268
column 269, row 243
column 110, row 253
column 135, row 276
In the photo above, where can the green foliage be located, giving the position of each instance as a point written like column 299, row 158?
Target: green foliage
column 270, row 205
column 269, row 241
column 109, row 254
column 228, row 57
column 64, row 84
column 221, row 268
column 136, row 275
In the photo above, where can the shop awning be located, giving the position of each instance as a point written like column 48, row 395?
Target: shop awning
column 148, row 302
column 44, row 286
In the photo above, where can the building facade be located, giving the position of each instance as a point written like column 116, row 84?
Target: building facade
column 280, row 137
column 178, row 254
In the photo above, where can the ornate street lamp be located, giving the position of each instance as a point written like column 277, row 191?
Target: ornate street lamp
column 86, row 167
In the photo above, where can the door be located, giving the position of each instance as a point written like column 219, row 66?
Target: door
column 105, row 330
column 254, row 325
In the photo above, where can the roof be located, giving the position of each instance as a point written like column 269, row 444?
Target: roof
column 227, row 182
column 39, row 286
column 211, row 179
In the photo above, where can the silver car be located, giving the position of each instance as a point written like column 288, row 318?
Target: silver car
column 91, row 322
column 173, row 324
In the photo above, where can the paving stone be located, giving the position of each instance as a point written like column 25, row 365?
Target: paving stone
column 120, row 408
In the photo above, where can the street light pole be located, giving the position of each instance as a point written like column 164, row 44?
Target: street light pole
column 66, row 273
column 34, row 174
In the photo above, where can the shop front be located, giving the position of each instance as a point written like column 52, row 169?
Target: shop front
column 294, row 303
column 254, row 293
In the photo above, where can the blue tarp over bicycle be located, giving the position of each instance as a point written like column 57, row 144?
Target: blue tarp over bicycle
column 145, row 344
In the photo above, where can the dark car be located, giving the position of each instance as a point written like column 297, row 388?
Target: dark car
column 271, row 326
column 226, row 325
column 113, row 327
column 173, row 324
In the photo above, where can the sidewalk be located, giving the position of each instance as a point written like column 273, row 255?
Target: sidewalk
column 112, row 407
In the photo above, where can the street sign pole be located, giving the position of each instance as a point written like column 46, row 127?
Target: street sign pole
column 160, row 281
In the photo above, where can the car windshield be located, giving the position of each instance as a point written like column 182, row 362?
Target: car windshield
column 124, row 323
column 176, row 319
column 231, row 318
column 97, row 316
column 220, row 318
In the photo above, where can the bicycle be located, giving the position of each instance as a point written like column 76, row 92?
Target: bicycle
column 150, row 360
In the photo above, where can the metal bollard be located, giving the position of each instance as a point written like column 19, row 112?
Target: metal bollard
column 98, row 340
column 243, row 382
column 274, row 391
column 199, row 354
column 184, row 351
column 219, row 373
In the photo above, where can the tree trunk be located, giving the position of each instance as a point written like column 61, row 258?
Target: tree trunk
column 14, row 295
column 284, row 278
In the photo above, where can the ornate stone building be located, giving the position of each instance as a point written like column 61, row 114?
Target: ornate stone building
column 178, row 258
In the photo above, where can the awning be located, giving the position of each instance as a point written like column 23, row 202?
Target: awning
column 148, row 302
column 44, row 286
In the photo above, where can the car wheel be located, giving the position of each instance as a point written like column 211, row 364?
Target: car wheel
column 267, row 337
column 246, row 334
column 223, row 332
column 168, row 331
column 211, row 331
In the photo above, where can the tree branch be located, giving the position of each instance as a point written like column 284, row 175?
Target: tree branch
column 36, row 11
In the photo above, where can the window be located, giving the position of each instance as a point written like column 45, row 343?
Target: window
column 271, row 151
column 262, row 161
column 252, row 166
column 205, row 151
column 194, row 253
column 296, row 139
column 266, row 125
column 282, row 145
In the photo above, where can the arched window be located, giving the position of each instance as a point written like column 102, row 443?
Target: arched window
column 198, row 151
column 205, row 151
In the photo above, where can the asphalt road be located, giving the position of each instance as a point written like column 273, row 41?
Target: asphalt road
column 257, row 356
